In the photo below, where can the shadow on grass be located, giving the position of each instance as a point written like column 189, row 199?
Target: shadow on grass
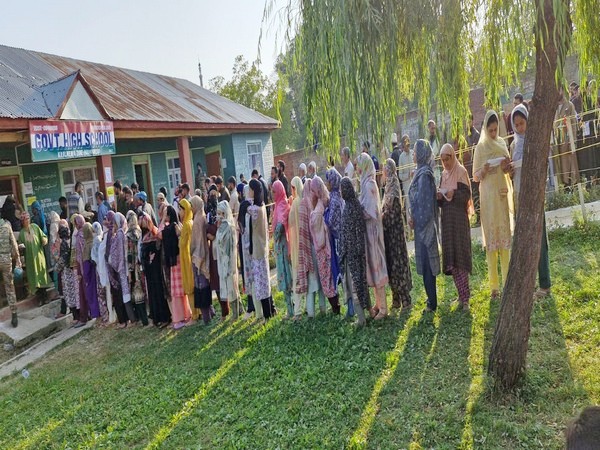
column 425, row 399
column 305, row 386
column 536, row 414
column 125, row 385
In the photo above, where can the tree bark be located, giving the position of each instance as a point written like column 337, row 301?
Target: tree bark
column 510, row 343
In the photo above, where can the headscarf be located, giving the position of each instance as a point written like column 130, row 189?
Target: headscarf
column 151, row 232
column 134, row 232
column 369, row 192
column 78, row 222
column 53, row 229
column 40, row 221
column 305, row 260
column 257, row 188
column 199, row 245
column 319, row 191
column 110, row 226
column 211, row 205
column 294, row 232
column 120, row 229
column 281, row 211
column 519, row 139
column 99, row 252
column 54, row 241
column 244, row 208
column 9, row 213
column 185, row 240
column 88, row 236
column 63, row 230
column 457, row 172
column 170, row 241
column 392, row 184
column 225, row 209
column 488, row 148
column 161, row 196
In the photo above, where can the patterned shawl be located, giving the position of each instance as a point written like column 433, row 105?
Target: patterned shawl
column 392, row 184
column 305, row 260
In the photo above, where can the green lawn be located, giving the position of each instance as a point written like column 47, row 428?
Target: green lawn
column 413, row 382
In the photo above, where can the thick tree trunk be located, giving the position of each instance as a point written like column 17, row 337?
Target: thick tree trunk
column 511, row 336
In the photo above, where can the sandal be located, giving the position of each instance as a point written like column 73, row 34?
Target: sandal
column 495, row 294
column 374, row 311
column 541, row 293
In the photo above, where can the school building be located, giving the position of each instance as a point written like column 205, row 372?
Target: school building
column 64, row 120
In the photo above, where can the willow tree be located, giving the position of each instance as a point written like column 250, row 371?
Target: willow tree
column 362, row 60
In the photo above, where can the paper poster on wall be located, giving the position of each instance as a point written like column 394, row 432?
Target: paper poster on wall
column 110, row 194
column 108, row 175
column 28, row 188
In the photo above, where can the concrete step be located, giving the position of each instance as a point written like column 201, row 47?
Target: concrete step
column 32, row 329
column 50, row 310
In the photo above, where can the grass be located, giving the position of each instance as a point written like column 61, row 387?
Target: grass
column 410, row 382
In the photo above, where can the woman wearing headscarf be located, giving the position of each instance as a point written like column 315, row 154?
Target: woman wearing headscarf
column 98, row 252
column 53, row 245
column 34, row 240
column 454, row 199
column 491, row 167
column 166, row 272
column 134, row 234
column 422, row 196
column 118, row 262
column 90, row 288
column 77, row 246
column 69, row 279
column 227, row 260
column 280, row 221
column 321, row 241
column 38, row 217
column 201, row 261
column 396, row 253
column 180, row 307
column 294, row 236
column 185, row 256
column 259, row 252
column 114, row 292
column 211, row 233
column 352, row 248
column 307, row 278
column 377, row 274
column 333, row 220
column 519, row 119
column 245, row 226
column 151, row 262
column 9, row 213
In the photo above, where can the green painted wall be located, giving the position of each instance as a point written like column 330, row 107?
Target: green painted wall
column 123, row 169
column 160, row 178
column 137, row 146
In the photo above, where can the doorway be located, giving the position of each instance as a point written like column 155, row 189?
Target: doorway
column 213, row 163
column 142, row 178
column 9, row 185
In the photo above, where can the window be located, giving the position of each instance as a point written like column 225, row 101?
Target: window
column 255, row 160
column 88, row 176
column 174, row 173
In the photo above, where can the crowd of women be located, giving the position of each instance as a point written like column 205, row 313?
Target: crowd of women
column 334, row 241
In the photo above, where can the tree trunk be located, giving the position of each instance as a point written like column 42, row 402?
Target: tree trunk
column 511, row 336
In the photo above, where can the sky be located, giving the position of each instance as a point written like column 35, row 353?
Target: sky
column 167, row 37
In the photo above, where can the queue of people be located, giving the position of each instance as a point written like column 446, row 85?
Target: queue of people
column 336, row 239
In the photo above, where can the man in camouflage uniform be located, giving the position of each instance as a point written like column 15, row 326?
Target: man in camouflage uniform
column 9, row 252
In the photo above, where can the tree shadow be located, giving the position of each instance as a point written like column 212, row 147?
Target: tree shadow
column 549, row 396
column 305, row 386
column 425, row 400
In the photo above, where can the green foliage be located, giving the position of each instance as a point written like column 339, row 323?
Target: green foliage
column 362, row 62
column 317, row 384
column 250, row 87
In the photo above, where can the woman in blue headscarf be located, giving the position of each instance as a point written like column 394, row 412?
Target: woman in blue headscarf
column 38, row 217
column 422, row 196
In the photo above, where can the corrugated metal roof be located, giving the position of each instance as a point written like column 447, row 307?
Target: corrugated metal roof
column 125, row 94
